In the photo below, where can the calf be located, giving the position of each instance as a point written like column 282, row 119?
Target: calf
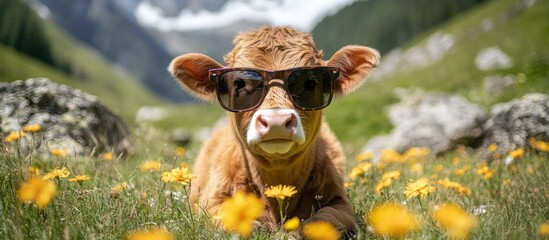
column 273, row 86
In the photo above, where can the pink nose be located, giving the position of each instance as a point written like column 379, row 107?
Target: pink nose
column 276, row 125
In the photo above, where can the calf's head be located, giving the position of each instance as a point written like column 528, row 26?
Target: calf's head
column 274, row 84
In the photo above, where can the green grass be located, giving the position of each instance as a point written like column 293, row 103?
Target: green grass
column 91, row 211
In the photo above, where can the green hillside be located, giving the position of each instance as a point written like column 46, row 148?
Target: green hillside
column 78, row 66
column 521, row 32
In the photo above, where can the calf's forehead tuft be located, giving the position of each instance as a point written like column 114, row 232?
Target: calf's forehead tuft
column 268, row 45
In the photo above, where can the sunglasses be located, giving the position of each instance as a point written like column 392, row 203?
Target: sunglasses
column 244, row 89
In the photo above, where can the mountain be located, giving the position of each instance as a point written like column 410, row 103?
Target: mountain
column 384, row 24
column 73, row 63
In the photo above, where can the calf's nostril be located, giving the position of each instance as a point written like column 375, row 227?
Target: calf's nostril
column 291, row 123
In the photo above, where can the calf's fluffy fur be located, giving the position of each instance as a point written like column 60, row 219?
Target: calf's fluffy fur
column 227, row 163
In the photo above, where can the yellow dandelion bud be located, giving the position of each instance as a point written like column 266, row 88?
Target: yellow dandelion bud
column 38, row 191
column 150, row 166
column 544, row 229
column 517, row 153
column 392, row 220
column 57, row 173
column 492, row 147
column 79, row 178
column 32, row 128
column 292, row 224
column 150, row 234
column 180, row 151
column 108, row 156
column 14, row 136
column 280, row 192
column 455, row 221
column 238, row 213
column 320, row 231
column 58, row 152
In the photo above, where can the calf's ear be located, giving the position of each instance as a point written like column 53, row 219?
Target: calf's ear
column 355, row 64
column 191, row 71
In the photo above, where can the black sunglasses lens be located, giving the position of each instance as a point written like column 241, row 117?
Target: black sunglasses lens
column 310, row 88
column 240, row 90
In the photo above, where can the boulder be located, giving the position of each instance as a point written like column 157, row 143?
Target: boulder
column 69, row 119
column 436, row 121
column 514, row 122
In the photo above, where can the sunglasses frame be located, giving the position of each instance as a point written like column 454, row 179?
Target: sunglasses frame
column 269, row 75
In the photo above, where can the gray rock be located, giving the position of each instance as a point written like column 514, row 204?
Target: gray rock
column 70, row 119
column 436, row 121
column 492, row 58
column 514, row 122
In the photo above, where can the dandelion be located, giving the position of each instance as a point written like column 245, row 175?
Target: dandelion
column 14, row 136
column 386, row 180
column 120, row 187
column 180, row 175
column 390, row 156
column 32, row 128
column 392, row 220
column 455, row 221
column 57, row 173
column 291, row 224
column 180, row 151
column 463, row 170
column 438, row 168
column 238, row 212
column 492, row 147
column 539, row 145
column 506, row 182
column 456, row 160
column 108, row 156
column 280, row 191
column 485, row 172
column 320, row 231
column 38, row 191
column 58, row 152
column 348, row 184
column 416, row 169
column 416, row 153
column 455, row 186
column 360, row 170
column 544, row 229
column 150, row 166
column 34, row 172
column 365, row 156
column 79, row 178
column 150, row 234
column 420, row 188
column 517, row 153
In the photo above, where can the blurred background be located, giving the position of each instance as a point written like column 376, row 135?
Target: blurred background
column 488, row 51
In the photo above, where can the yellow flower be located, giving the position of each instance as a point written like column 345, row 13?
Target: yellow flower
column 463, row 170
column 57, row 173
column 365, row 156
column 280, row 192
column 238, row 212
column 180, row 175
column 34, row 172
column 360, row 170
column 455, row 221
column 492, row 147
column 438, row 168
column 539, row 145
column 320, row 231
column 120, row 187
column 79, row 178
column 108, row 156
column 291, row 224
column 420, row 188
column 32, row 128
column 455, row 186
column 416, row 153
column 390, row 156
column 154, row 233
column 150, row 166
column 416, row 169
column 348, row 184
column 38, row 191
column 506, row 182
column 180, row 151
column 485, row 172
column 14, row 135
column 392, row 220
column 517, row 153
column 58, row 152
column 544, row 229
column 456, row 160
column 386, row 180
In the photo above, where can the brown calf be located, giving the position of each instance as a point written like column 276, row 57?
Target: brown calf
column 274, row 141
